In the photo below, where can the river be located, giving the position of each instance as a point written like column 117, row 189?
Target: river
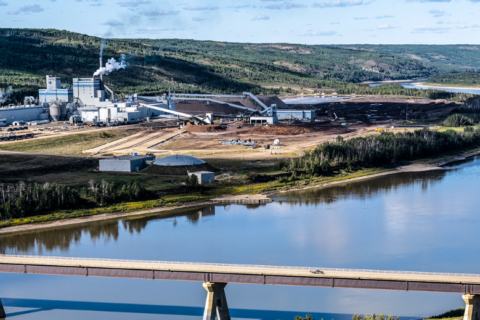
column 411, row 86
column 426, row 221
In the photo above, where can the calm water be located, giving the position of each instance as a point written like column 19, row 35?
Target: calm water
column 413, row 221
column 409, row 85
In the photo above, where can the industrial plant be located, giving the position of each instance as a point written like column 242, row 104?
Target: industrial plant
column 91, row 101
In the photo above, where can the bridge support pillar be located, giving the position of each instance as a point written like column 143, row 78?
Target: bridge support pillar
column 472, row 310
column 216, row 304
column 2, row 311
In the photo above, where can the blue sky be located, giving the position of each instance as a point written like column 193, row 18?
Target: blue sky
column 295, row 21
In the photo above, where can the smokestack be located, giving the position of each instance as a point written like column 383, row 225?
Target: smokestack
column 101, row 66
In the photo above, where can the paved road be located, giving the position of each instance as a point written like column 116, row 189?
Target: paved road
column 303, row 272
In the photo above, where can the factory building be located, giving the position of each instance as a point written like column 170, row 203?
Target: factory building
column 203, row 177
column 90, row 92
column 54, row 91
column 296, row 114
column 128, row 163
column 23, row 113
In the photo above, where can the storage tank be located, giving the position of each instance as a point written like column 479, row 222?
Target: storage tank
column 55, row 111
column 63, row 111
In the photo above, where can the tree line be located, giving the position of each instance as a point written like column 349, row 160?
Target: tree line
column 387, row 148
column 22, row 199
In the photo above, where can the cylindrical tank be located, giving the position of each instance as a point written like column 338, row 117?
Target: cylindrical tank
column 63, row 111
column 55, row 112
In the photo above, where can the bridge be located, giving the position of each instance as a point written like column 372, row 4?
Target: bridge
column 216, row 276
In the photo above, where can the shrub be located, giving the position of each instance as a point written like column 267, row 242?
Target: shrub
column 457, row 120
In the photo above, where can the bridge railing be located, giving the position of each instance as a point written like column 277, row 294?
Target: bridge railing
column 249, row 266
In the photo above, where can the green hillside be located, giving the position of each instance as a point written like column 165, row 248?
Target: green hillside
column 445, row 58
column 27, row 55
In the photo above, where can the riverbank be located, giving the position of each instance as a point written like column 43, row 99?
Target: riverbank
column 229, row 194
column 388, row 81
column 54, row 220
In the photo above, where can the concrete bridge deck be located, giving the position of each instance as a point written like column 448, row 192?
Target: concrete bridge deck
column 216, row 276
column 236, row 273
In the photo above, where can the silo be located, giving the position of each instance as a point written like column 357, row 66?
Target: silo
column 55, row 112
column 63, row 111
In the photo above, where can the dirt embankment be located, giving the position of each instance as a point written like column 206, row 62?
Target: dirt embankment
column 205, row 128
column 279, row 130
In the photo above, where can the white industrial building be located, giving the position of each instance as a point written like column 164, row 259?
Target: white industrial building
column 23, row 113
column 203, row 176
column 54, row 91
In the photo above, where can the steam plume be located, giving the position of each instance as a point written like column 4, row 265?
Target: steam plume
column 103, row 43
column 5, row 95
column 112, row 65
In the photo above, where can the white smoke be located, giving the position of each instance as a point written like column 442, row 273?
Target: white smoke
column 4, row 95
column 112, row 65
column 103, row 43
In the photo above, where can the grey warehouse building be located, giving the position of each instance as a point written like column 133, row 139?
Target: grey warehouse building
column 296, row 114
column 203, row 176
column 128, row 163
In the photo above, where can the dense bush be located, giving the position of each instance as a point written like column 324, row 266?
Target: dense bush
column 457, row 120
column 104, row 193
column 21, row 200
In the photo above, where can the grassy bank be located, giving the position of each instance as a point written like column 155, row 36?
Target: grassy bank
column 71, row 144
column 222, row 189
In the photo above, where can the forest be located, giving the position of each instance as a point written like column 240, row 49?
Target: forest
column 385, row 149
column 446, row 58
column 27, row 55
column 461, row 78
column 18, row 200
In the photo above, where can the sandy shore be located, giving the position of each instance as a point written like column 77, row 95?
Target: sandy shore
column 423, row 84
column 99, row 217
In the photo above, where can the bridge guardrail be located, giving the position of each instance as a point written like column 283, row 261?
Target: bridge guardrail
column 132, row 263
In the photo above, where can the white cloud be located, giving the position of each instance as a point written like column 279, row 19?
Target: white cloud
column 198, row 19
column 339, row 3
column 385, row 27
column 311, row 33
column 156, row 31
column 437, row 13
column 423, row 29
column 200, row 8
column 35, row 8
column 112, row 23
column 261, row 17
column 132, row 3
column 156, row 13
column 431, row 0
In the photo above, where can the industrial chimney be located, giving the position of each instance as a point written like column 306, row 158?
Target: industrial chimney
column 101, row 66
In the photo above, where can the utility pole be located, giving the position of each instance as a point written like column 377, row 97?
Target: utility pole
column 406, row 112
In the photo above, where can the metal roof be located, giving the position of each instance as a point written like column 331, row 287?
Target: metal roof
column 177, row 161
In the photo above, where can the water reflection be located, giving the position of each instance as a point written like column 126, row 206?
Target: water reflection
column 364, row 189
column 62, row 238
